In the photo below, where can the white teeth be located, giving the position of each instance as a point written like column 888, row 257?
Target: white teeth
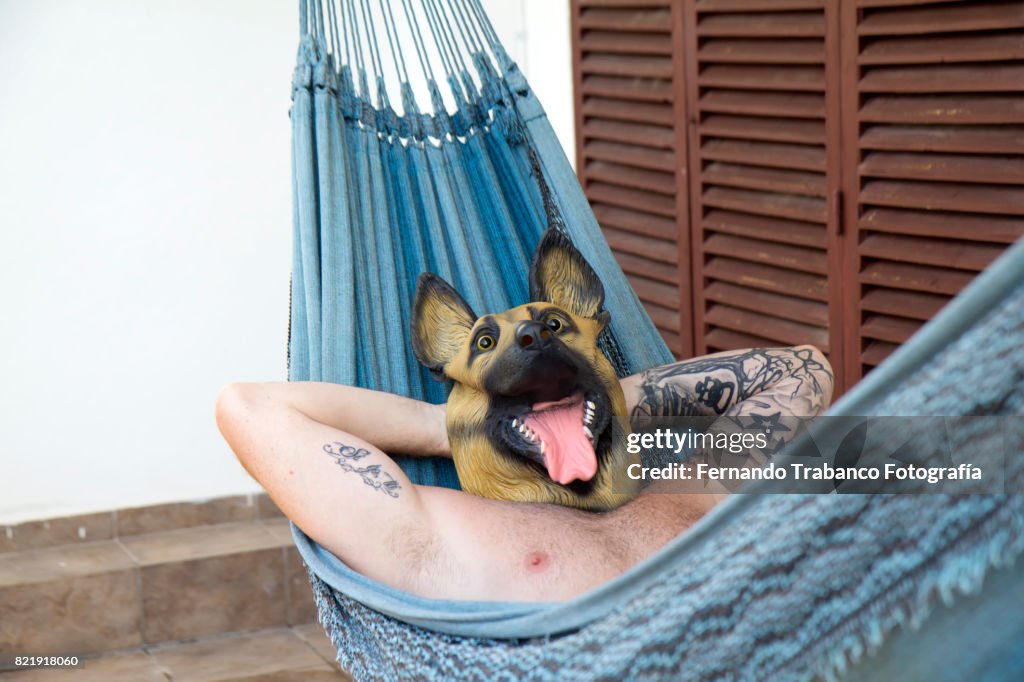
column 515, row 423
column 591, row 406
column 590, row 434
column 542, row 447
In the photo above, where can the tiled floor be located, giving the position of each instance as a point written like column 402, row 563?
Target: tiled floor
column 299, row 654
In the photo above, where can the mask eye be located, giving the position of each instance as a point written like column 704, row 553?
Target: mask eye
column 555, row 324
column 485, row 342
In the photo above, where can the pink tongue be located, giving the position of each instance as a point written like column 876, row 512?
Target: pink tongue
column 568, row 453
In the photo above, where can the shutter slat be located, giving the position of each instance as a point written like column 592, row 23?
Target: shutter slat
column 896, row 3
column 796, row 309
column 624, row 176
column 640, row 245
column 629, row 43
column 639, row 112
column 915, row 277
column 632, row 133
column 876, row 352
column 771, row 129
column 978, row 139
column 659, row 293
column 774, row 155
column 933, row 78
column 632, row 198
column 891, row 329
column 786, row 51
column 725, row 339
column 992, row 169
column 955, row 109
column 744, row 102
column 914, row 304
column 763, row 77
column 946, row 253
column 763, row 25
column 662, row 317
column 807, row 209
column 641, row 267
column 929, row 49
column 642, row 89
column 768, row 278
column 756, row 5
column 627, row 20
column 628, row 65
column 768, row 179
column 944, row 196
column 971, row 16
column 944, row 225
column 768, row 253
column 767, row 326
column 630, row 155
column 765, row 228
column 638, row 222
column 674, row 342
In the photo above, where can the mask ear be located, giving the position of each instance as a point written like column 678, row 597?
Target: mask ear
column 441, row 321
column 560, row 275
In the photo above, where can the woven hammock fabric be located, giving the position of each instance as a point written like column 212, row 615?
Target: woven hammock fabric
column 767, row 586
column 382, row 196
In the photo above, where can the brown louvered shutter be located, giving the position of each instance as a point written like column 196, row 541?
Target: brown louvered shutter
column 764, row 173
column 933, row 115
column 631, row 148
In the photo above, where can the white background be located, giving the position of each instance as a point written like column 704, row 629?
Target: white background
column 145, row 218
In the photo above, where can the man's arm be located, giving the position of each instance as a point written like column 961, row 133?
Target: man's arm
column 760, row 381
column 770, row 390
column 342, row 491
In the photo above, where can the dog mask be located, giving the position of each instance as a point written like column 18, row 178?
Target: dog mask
column 530, row 414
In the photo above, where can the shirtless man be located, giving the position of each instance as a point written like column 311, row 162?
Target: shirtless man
column 447, row 544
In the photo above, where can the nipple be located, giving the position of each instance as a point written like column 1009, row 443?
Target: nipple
column 537, row 562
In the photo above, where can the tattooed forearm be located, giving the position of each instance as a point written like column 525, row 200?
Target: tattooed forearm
column 760, row 381
column 373, row 475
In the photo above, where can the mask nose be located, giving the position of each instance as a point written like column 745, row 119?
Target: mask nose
column 532, row 335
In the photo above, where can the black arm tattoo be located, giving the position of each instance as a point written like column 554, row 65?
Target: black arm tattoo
column 373, row 475
column 712, row 386
column 765, row 389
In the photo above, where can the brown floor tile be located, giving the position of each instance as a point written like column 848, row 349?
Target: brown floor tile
column 179, row 515
column 295, row 676
column 184, row 600
column 315, row 637
column 198, row 543
column 280, row 528
column 265, row 507
column 68, row 530
column 133, row 667
column 74, row 615
column 301, row 607
column 246, row 657
column 41, row 565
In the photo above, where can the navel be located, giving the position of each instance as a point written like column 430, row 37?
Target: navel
column 537, row 562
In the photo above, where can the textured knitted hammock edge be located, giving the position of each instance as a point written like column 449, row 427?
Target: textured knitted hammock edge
column 764, row 587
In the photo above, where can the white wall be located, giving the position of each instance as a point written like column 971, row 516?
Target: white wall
column 145, row 215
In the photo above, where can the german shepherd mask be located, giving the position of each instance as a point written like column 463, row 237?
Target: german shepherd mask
column 530, row 413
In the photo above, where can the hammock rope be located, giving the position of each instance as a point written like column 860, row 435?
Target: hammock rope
column 464, row 186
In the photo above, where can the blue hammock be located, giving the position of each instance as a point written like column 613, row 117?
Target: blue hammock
column 767, row 586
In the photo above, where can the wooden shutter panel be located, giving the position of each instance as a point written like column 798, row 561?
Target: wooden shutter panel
column 764, row 172
column 631, row 148
column 934, row 133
